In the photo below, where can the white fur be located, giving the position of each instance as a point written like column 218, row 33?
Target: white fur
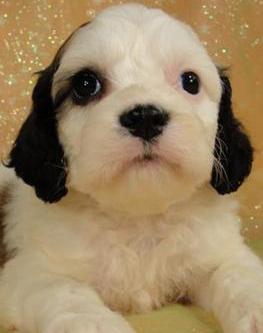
column 131, row 237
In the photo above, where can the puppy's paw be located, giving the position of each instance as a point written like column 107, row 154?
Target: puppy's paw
column 255, row 322
column 252, row 322
column 85, row 323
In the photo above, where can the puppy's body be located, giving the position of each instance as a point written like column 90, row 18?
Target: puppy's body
column 134, row 264
column 139, row 221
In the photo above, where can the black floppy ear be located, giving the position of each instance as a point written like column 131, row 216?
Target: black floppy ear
column 37, row 155
column 233, row 151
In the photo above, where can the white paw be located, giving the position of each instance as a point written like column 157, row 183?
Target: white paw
column 85, row 323
column 252, row 322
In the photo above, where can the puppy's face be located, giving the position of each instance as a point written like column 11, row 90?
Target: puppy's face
column 133, row 115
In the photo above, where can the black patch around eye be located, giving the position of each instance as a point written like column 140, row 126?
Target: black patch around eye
column 61, row 96
column 86, row 85
column 191, row 82
column 37, row 154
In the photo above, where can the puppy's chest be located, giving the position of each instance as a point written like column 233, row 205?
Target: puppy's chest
column 133, row 268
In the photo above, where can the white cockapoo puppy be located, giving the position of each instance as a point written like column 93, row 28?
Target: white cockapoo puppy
column 117, row 205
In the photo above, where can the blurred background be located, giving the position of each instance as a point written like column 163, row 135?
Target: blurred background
column 32, row 30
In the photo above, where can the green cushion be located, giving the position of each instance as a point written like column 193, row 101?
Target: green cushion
column 175, row 318
column 180, row 318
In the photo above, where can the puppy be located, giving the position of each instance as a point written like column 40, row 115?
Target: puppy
column 121, row 168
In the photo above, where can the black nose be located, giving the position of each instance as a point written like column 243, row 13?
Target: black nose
column 145, row 121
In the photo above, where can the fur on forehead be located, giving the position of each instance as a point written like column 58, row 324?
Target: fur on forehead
column 139, row 38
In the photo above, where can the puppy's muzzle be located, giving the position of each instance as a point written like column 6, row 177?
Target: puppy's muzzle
column 145, row 121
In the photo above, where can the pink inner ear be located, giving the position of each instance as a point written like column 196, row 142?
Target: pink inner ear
column 172, row 75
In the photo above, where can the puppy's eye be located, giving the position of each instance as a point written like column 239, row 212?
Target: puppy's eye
column 86, row 85
column 191, row 82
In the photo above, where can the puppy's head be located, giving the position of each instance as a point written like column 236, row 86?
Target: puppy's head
column 133, row 113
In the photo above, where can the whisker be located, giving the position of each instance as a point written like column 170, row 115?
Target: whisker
column 221, row 174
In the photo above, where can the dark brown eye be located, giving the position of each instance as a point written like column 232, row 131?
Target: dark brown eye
column 86, row 85
column 191, row 82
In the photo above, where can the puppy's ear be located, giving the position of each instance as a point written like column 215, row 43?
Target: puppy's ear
column 233, row 151
column 37, row 155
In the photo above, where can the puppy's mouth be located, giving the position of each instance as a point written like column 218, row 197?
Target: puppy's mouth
column 146, row 159
column 149, row 157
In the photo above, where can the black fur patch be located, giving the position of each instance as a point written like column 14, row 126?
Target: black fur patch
column 37, row 155
column 233, row 150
